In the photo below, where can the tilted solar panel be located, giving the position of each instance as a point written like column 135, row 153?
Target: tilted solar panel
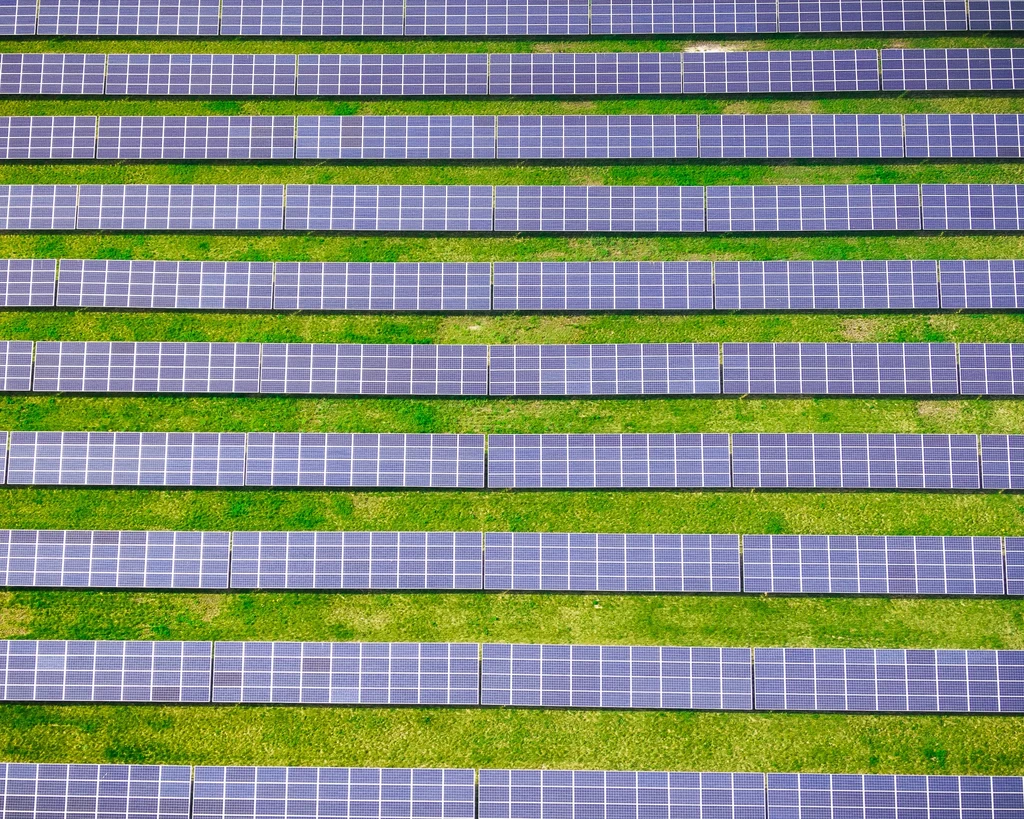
column 110, row 559
column 952, row 69
column 147, row 366
column 973, row 207
column 578, row 209
column 337, row 793
column 851, row 564
column 683, row 17
column 51, row 73
column 540, row 74
column 872, row 15
column 549, row 561
column 1002, row 461
column 379, row 286
column 855, row 461
column 104, row 671
column 968, row 136
column 27, row 282
column 633, row 461
column 801, row 136
column 196, row 138
column 15, row 366
column 995, row 15
column 18, row 18
column 582, row 676
column 47, row 137
column 191, row 75
column 3, row 461
column 110, row 791
column 604, row 369
column 791, row 72
column 582, row 286
column 888, row 680
column 141, row 18
column 428, row 137
column 127, row 458
column 982, row 284
column 839, row 285
column 312, row 18
column 365, row 460
column 992, row 369
column 1015, row 566
column 357, row 560
column 38, row 207
column 495, row 18
column 839, row 369
column 347, row 673
column 597, row 137
column 374, row 369
column 403, row 75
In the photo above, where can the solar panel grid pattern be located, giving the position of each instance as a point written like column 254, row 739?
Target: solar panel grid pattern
column 4, row 436
column 404, row 75
column 15, row 366
column 801, row 136
column 888, row 680
column 311, row 18
column 992, row 369
column 166, row 285
column 604, row 369
column 27, row 282
column 395, row 137
column 162, row 18
column 47, row 138
column 952, row 69
column 38, row 207
column 872, row 15
column 374, row 369
column 827, row 285
column 995, row 15
column 45, row 74
column 607, row 286
column 347, row 673
column 545, row 74
column 493, row 18
column 33, row 791
column 549, row 561
column 851, row 564
column 228, row 75
column 982, row 284
column 581, row 676
column 104, row 671
column 357, row 560
column 966, row 136
column 1002, row 461
column 1015, row 566
column 973, row 207
column 683, row 17
column 791, row 72
column 18, row 18
column 383, row 286
column 196, row 138
column 597, row 137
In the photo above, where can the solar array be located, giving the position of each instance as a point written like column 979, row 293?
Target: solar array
column 992, row 369
column 683, row 17
column 64, row 74
column 104, row 671
column 774, row 72
column 566, row 74
column 347, row 673
column 38, row 207
column 982, row 284
column 18, row 18
column 952, row 69
column 1015, row 566
column 784, row 136
column 447, row 18
column 875, row 15
column 311, row 18
column 15, row 366
column 865, row 679
column 1002, row 461
column 401, row 75
column 596, row 137
column 27, row 282
column 195, row 138
column 965, row 136
column 850, row 564
column 47, row 138
column 995, row 15
column 138, row 18
column 192, row 75
column 395, row 137
column 972, row 207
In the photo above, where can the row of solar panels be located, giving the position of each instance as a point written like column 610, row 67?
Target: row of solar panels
column 514, row 209
column 684, row 136
column 499, row 674
column 548, row 461
column 438, row 18
column 561, row 74
column 791, row 368
column 226, row 792
column 455, row 286
column 514, row 561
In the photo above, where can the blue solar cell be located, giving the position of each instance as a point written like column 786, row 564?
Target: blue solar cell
column 1002, row 461
column 967, row 136
column 27, row 282
column 38, row 207
column 51, row 73
column 15, row 366
column 982, row 284
column 495, row 18
column 47, row 137
column 758, row 72
column 312, row 18
column 1015, row 566
column 405, row 75
column 683, row 17
column 995, row 15
column 992, row 369
column 952, row 69
column 18, row 18
column 228, row 75
column 142, row 18
column 973, row 207
column 597, row 137
column 872, row 15
column 427, row 137
column 196, row 138
column 801, row 136
column 570, row 74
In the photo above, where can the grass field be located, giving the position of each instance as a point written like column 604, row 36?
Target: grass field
column 516, row 738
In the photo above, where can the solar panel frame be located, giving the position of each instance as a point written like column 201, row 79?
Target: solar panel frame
column 347, row 673
column 18, row 18
column 790, row 72
column 991, row 369
column 801, row 136
column 597, row 137
column 40, row 74
column 1002, row 461
column 139, row 18
column 973, row 207
column 847, row 16
column 312, row 18
column 995, row 15
column 550, row 561
column 1015, row 566
column 198, row 75
column 982, row 284
column 357, row 560
column 15, row 366
column 395, row 137
column 496, row 18
column 683, row 17
column 965, row 136
column 952, row 69
column 403, row 75
column 859, row 564
column 4, row 436
column 47, row 138
column 568, row 74
column 27, row 282
column 269, row 137
column 38, row 207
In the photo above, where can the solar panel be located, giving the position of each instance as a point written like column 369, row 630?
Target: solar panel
column 952, row 69
column 51, row 73
column 404, row 75
column 633, row 461
column 578, row 209
column 430, row 137
column 548, row 561
column 802, row 208
column 580, row 676
column 147, row 366
column 181, row 207
column 982, row 284
column 127, row 560
column 365, row 460
column 227, row 75
column 3, row 461
column 855, row 461
column 110, row 791
column 604, row 369
column 47, row 137
column 18, row 18
column 995, row 15
column 968, row 136
column 839, row 369
column 312, row 18
column 597, row 137
column 196, row 138
column 27, row 282
column 1002, row 461
column 1015, row 566
column 839, row 285
column 104, row 18
column 973, row 207
column 339, row 793
column 872, row 15
column 552, row 794
column 683, row 17
column 759, row 72
column 15, row 366
column 581, row 286
column 888, row 679
column 357, row 560
column 494, row 18
column 104, row 671
column 546, row 74
column 850, row 564
column 992, row 369
column 127, row 458
column 38, row 207
column 382, row 286
column 347, row 673
column 801, row 136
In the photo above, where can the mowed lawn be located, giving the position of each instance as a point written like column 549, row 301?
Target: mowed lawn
column 516, row 738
